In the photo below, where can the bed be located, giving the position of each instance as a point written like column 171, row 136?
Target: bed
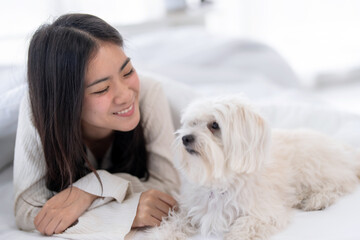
column 192, row 63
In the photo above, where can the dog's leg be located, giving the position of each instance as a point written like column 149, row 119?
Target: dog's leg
column 322, row 192
column 323, row 198
column 254, row 228
column 175, row 227
column 250, row 228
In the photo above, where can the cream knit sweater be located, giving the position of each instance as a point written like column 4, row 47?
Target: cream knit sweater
column 111, row 216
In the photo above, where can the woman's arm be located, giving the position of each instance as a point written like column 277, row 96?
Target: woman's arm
column 32, row 207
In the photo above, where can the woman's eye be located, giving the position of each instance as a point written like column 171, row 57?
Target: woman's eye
column 129, row 73
column 102, row 91
column 215, row 126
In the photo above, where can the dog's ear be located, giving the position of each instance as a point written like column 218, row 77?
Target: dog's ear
column 246, row 139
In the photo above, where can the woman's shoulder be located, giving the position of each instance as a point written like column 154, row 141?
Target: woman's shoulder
column 147, row 84
column 150, row 89
column 153, row 100
column 25, row 108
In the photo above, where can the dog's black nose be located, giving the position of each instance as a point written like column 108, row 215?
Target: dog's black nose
column 188, row 139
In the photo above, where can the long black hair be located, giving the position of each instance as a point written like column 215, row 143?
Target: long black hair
column 58, row 57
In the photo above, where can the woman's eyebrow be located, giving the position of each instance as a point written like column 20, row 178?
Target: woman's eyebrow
column 107, row 78
column 124, row 64
column 98, row 81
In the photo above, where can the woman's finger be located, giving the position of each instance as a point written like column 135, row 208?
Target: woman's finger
column 61, row 227
column 166, row 198
column 44, row 222
column 156, row 213
column 162, row 206
column 50, row 228
column 153, row 222
column 39, row 217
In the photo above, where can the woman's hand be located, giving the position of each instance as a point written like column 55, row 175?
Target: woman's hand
column 62, row 210
column 153, row 206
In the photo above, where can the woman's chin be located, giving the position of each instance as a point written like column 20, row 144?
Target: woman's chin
column 130, row 123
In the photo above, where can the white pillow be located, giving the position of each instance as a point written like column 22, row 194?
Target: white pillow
column 9, row 111
column 11, row 77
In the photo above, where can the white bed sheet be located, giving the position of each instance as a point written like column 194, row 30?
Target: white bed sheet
column 8, row 229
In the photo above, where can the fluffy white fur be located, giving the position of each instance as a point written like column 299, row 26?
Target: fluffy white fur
column 243, row 179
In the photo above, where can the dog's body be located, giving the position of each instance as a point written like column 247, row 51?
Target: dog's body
column 242, row 179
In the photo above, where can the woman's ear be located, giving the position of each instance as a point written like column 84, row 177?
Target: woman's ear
column 246, row 140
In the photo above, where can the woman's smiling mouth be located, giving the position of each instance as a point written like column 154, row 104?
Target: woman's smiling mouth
column 126, row 112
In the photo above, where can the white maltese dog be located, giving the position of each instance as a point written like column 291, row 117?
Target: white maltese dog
column 242, row 179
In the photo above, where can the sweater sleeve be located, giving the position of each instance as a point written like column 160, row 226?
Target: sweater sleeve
column 30, row 193
column 159, row 134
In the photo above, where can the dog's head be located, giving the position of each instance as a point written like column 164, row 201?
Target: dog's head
column 220, row 138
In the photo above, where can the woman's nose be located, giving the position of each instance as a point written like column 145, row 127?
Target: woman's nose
column 122, row 93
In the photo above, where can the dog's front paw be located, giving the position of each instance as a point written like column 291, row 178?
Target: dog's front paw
column 319, row 200
column 235, row 236
column 241, row 232
column 242, row 236
column 252, row 228
column 162, row 234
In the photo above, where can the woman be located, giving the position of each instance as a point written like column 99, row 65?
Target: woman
column 92, row 152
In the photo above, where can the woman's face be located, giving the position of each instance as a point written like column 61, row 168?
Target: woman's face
column 111, row 99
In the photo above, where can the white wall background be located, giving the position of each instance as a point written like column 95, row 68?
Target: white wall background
column 315, row 36
column 20, row 18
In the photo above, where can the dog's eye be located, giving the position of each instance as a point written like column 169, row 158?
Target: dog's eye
column 215, row 126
